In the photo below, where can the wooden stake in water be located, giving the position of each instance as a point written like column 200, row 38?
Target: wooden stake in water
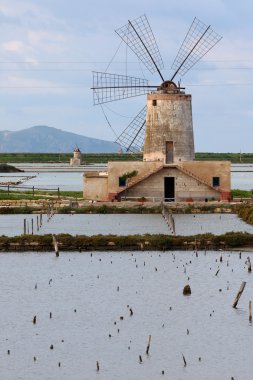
column 97, row 366
column 37, row 222
column 249, row 264
column 185, row 364
column 55, row 246
column 24, row 226
column 148, row 346
column 250, row 312
column 32, row 226
column 239, row 294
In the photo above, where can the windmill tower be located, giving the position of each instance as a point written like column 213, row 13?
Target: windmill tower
column 168, row 115
column 169, row 129
column 163, row 129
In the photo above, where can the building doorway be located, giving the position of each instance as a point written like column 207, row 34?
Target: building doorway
column 169, row 152
column 169, row 189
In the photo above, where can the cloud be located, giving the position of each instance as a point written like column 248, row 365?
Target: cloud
column 41, row 36
column 14, row 46
column 17, row 8
column 32, row 86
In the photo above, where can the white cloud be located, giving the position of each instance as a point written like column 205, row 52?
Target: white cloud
column 18, row 8
column 41, row 36
column 31, row 86
column 14, row 46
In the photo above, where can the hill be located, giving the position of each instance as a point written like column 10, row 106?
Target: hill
column 4, row 168
column 43, row 139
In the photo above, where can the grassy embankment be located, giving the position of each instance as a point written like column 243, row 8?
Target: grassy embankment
column 245, row 212
column 68, row 242
column 38, row 194
column 89, row 158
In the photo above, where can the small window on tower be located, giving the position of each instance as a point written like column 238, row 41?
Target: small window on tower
column 154, row 102
column 216, row 181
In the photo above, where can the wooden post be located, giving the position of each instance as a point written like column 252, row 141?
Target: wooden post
column 37, row 222
column 185, row 364
column 40, row 219
column 55, row 246
column 58, row 191
column 33, row 191
column 24, row 226
column 250, row 312
column 32, row 226
column 8, row 189
column 239, row 294
column 148, row 346
column 249, row 264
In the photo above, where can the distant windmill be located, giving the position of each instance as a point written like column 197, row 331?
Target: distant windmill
column 138, row 35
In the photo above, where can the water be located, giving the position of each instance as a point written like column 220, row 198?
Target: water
column 217, row 224
column 74, row 180
column 66, row 181
column 124, row 224
column 219, row 334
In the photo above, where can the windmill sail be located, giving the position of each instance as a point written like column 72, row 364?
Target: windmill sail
column 132, row 138
column 138, row 35
column 110, row 87
column 198, row 41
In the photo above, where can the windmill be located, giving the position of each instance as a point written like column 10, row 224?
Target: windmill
column 165, row 123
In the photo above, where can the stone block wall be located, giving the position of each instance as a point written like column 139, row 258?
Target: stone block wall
column 186, row 187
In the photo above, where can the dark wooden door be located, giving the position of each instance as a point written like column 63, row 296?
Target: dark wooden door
column 169, row 189
column 169, row 152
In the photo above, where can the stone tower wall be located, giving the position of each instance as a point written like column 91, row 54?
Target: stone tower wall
column 169, row 119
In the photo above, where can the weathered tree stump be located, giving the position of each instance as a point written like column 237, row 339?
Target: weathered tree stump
column 187, row 290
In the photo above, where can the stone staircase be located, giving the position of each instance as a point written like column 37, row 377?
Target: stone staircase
column 133, row 181
column 137, row 179
column 197, row 178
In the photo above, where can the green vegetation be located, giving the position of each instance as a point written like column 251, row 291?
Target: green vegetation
column 88, row 158
column 131, row 242
column 65, row 157
column 233, row 157
column 37, row 194
column 237, row 193
column 245, row 211
column 128, row 175
column 110, row 209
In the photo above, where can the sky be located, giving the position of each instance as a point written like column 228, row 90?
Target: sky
column 49, row 48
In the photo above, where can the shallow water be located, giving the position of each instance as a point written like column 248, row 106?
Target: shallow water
column 123, row 224
column 73, row 181
column 217, row 224
column 66, row 181
column 219, row 334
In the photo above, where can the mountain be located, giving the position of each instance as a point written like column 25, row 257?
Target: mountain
column 43, row 139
